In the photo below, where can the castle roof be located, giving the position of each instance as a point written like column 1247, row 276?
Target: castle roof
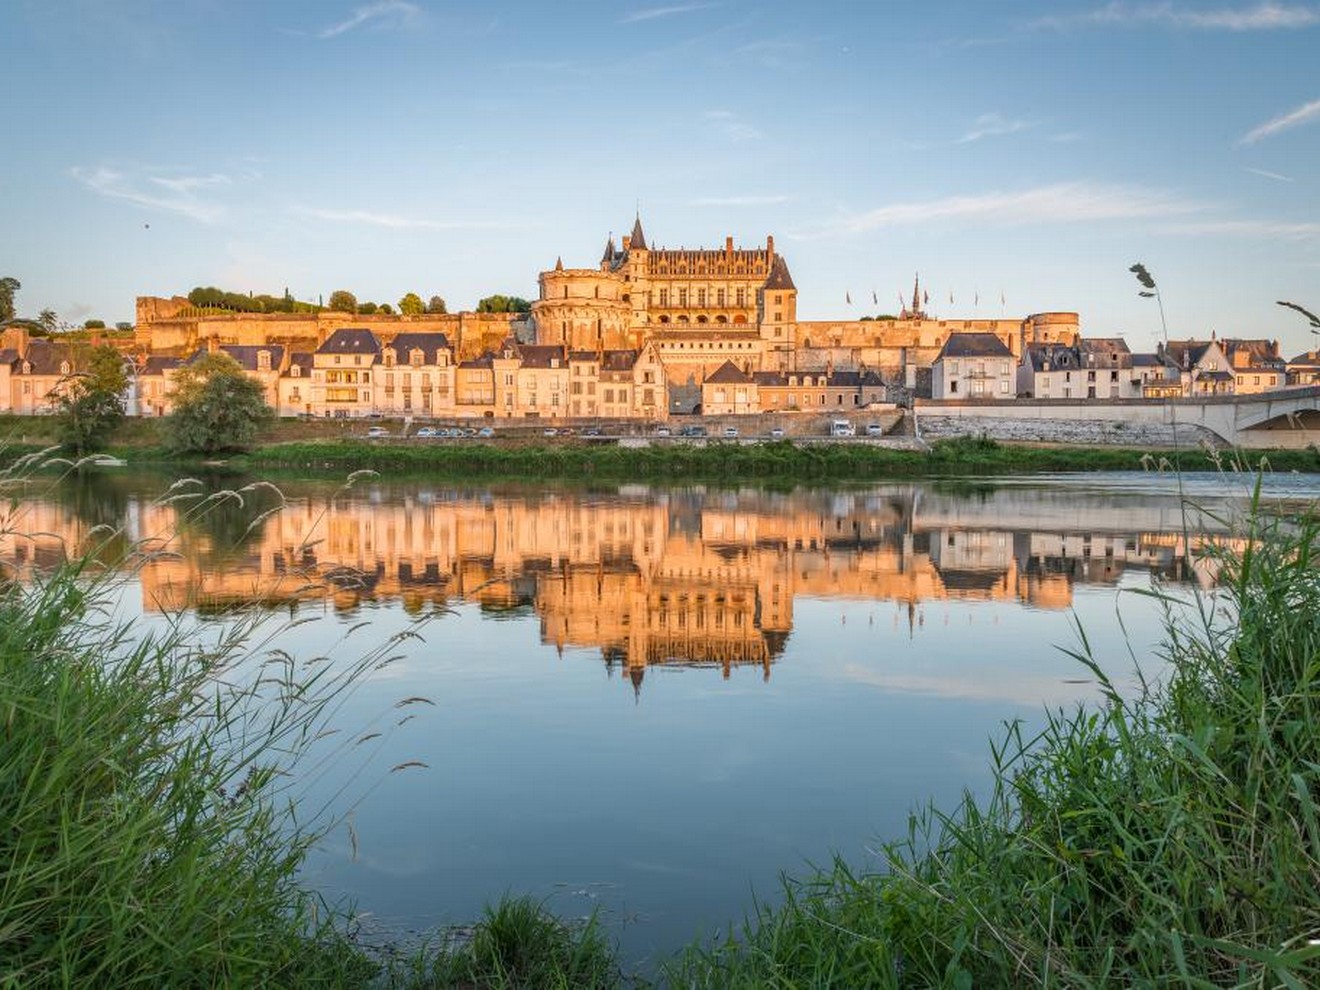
column 637, row 242
column 973, row 345
column 779, row 276
column 350, row 340
column 610, row 251
column 727, row 374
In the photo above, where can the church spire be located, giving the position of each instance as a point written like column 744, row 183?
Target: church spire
column 916, row 297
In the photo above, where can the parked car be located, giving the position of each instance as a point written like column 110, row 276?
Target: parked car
column 874, row 430
column 377, row 432
column 662, row 431
column 486, row 432
column 777, row 433
column 426, row 433
column 550, row 431
column 566, row 431
column 591, row 431
column 730, row 432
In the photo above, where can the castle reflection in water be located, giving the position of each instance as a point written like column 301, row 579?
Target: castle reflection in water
column 647, row 576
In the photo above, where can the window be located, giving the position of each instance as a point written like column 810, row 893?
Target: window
column 719, row 298
column 742, row 297
column 953, row 386
column 953, row 367
column 682, row 298
column 664, row 297
column 1003, row 386
column 701, row 298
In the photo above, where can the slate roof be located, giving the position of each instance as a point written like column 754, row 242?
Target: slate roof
column 158, row 364
column 1217, row 376
column 46, row 356
column 430, row 344
column 1147, row 361
column 8, row 355
column 246, row 355
column 302, row 360
column 779, row 277
column 1107, row 345
column 618, row 360
column 770, row 379
column 1060, row 357
column 1308, row 359
column 1187, row 353
column 350, row 340
column 727, row 374
column 973, row 345
column 540, row 355
column 486, row 360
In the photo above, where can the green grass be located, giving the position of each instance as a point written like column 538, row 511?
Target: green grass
column 1171, row 840
column 519, row 945
column 780, row 460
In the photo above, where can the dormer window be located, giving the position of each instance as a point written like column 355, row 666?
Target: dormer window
column 27, row 367
column 417, row 357
column 295, row 372
column 389, row 357
column 263, row 360
column 64, row 367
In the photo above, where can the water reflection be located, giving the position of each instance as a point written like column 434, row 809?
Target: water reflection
column 681, row 576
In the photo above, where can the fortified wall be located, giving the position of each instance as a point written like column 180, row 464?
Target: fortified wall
column 175, row 326
column 892, row 346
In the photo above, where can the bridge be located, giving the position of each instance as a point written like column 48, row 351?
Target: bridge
column 1284, row 418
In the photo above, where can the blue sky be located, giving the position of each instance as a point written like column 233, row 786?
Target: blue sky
column 1025, row 151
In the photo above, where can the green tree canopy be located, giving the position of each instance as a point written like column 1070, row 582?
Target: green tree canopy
column 91, row 404
column 411, row 305
column 217, row 408
column 436, row 305
column 9, row 287
column 343, row 301
column 367, row 308
column 503, row 304
column 49, row 320
column 385, row 308
column 94, row 325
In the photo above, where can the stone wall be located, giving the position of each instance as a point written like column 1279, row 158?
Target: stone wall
column 1071, row 432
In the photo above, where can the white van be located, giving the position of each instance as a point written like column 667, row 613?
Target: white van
column 842, row 428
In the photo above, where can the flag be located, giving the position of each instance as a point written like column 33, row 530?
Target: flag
column 925, row 299
column 875, row 300
column 847, row 297
column 901, row 307
column 1002, row 300
column 976, row 301
column 950, row 297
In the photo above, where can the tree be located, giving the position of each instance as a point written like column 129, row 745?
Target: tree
column 91, row 402
column 94, row 325
column 503, row 304
column 385, row 308
column 411, row 305
column 342, row 301
column 217, row 407
column 124, row 327
column 49, row 320
column 8, row 287
column 436, row 305
column 367, row 309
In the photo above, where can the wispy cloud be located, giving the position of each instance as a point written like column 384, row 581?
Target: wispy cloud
column 1266, row 229
column 394, row 221
column 1264, row 16
column 739, row 200
column 994, row 125
column 1268, row 175
column 655, row 13
column 1294, row 118
column 177, row 194
column 734, row 128
column 770, row 53
column 383, row 12
column 1068, row 137
column 1064, row 202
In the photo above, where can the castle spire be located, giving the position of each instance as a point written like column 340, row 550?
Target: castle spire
column 610, row 250
column 559, row 263
column 916, row 296
column 637, row 242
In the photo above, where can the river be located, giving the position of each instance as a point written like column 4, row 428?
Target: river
column 650, row 701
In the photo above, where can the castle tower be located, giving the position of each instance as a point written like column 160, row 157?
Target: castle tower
column 778, row 314
column 637, row 282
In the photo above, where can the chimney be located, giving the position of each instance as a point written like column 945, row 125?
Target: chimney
column 728, row 247
column 770, row 246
